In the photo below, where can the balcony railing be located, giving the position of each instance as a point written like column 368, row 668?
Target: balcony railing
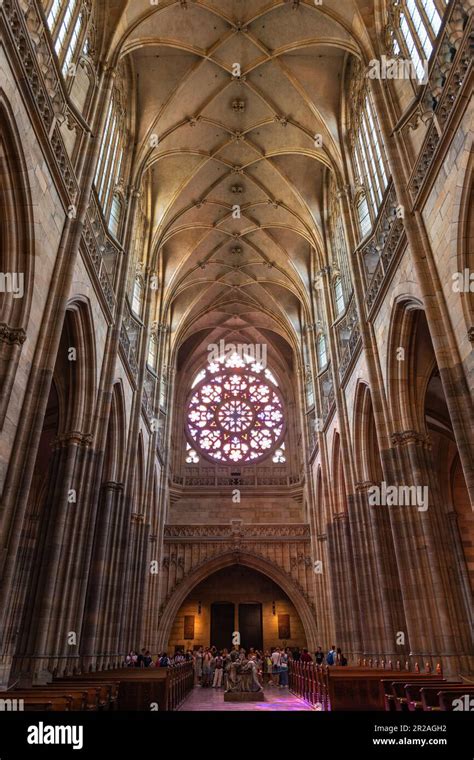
column 448, row 77
column 44, row 84
column 103, row 252
column 228, row 476
column 348, row 334
column 326, row 389
column 130, row 333
column 379, row 251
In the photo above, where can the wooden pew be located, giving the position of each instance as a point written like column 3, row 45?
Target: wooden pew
column 309, row 682
column 446, row 698
column 38, row 698
column 362, row 689
column 397, row 689
column 413, row 695
column 431, row 696
column 139, row 689
column 102, row 694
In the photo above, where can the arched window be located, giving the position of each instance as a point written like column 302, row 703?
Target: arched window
column 418, row 24
column 111, row 155
column 338, row 296
column 115, row 214
column 369, row 157
column 339, row 250
column 152, row 351
column 363, row 215
column 234, row 414
column 68, row 22
column 137, row 296
column 322, row 352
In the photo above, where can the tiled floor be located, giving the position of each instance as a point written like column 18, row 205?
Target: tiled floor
column 213, row 699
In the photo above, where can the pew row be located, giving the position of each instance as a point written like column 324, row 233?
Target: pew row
column 145, row 689
column 358, row 688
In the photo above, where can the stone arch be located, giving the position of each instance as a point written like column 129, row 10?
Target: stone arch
column 366, row 446
column 79, row 333
column 338, row 477
column 402, row 386
column 16, row 251
column 465, row 258
column 252, row 561
column 115, row 443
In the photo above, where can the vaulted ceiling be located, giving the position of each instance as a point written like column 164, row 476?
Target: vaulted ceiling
column 213, row 136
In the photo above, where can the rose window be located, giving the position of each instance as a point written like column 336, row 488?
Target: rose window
column 235, row 412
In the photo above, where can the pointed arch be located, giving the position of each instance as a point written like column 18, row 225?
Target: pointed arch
column 115, row 444
column 366, row 447
column 252, row 561
column 79, row 334
column 338, row 479
column 16, row 251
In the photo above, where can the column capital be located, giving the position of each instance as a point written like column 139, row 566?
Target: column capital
column 13, row 336
column 405, row 437
column 113, row 485
column 72, row 438
column 364, row 485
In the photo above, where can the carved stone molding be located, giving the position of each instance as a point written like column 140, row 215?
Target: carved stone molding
column 364, row 485
column 12, row 336
column 406, row 437
column 112, row 485
column 236, row 551
column 73, row 438
column 340, row 517
column 279, row 532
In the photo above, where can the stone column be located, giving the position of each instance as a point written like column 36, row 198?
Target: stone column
column 434, row 594
column 49, row 642
column 455, row 386
column 104, row 580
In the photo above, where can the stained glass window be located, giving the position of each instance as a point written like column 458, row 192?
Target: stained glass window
column 235, row 412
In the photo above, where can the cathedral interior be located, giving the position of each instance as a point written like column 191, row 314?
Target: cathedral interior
column 236, row 330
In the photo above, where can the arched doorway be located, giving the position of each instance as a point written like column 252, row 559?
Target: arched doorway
column 297, row 606
column 237, row 598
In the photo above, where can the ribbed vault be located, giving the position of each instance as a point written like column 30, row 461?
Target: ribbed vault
column 238, row 106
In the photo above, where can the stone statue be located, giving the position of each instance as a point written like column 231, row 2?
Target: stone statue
column 242, row 675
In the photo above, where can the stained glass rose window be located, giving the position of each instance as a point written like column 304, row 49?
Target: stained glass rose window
column 235, row 412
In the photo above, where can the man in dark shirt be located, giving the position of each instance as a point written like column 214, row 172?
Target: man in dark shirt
column 306, row 657
column 319, row 655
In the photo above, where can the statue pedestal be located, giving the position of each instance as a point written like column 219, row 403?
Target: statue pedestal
column 244, row 696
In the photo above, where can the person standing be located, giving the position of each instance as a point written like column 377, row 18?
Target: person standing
column 283, row 670
column 218, row 671
column 198, row 665
column 276, row 660
column 331, row 655
column 319, row 656
column 306, row 657
column 206, row 668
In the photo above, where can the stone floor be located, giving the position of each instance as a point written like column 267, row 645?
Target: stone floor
column 213, row 699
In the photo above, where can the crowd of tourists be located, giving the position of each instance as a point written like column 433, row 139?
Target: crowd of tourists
column 211, row 664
